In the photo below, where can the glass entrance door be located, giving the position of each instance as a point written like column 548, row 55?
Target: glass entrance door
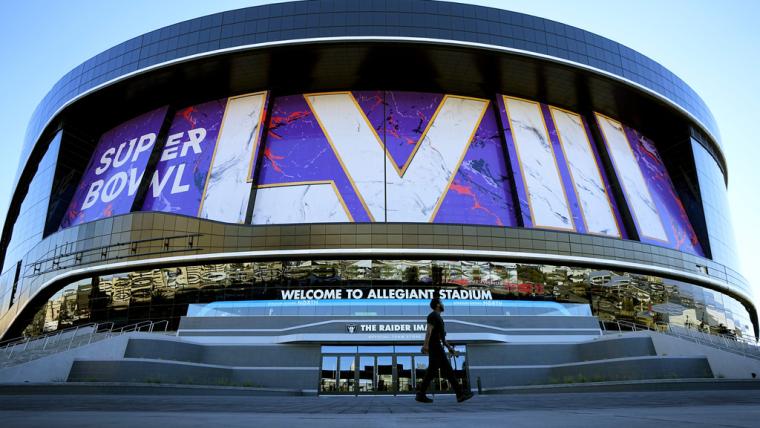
column 382, row 370
column 347, row 374
column 329, row 380
column 404, row 383
column 385, row 382
column 367, row 374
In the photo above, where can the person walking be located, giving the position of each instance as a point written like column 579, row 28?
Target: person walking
column 435, row 340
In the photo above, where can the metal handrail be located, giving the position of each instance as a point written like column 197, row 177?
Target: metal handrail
column 19, row 340
column 77, row 256
column 165, row 323
column 13, row 344
column 728, row 343
column 132, row 327
column 97, row 328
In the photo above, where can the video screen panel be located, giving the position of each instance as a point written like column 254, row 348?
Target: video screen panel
column 658, row 212
column 179, row 179
column 208, row 156
column 481, row 191
column 594, row 206
column 301, row 177
column 543, row 198
column 383, row 156
column 112, row 177
column 229, row 180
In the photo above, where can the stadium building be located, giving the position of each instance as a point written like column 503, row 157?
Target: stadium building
column 297, row 179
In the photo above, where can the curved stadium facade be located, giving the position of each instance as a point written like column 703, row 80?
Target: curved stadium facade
column 343, row 158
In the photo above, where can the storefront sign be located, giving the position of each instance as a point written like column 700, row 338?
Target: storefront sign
column 386, row 328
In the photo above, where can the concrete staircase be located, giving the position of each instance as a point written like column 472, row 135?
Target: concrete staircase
column 604, row 359
column 283, row 363
column 173, row 361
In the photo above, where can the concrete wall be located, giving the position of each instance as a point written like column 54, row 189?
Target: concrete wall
column 724, row 364
column 603, row 359
column 172, row 372
column 56, row 367
column 229, row 355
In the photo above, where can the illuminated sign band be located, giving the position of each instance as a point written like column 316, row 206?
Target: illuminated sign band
column 383, row 293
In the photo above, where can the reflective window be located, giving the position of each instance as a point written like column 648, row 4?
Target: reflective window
column 329, row 380
column 367, row 381
column 262, row 289
column 30, row 223
column 712, row 187
column 404, row 370
column 347, row 374
column 385, row 374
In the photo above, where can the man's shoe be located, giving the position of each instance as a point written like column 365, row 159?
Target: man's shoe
column 422, row 398
column 464, row 396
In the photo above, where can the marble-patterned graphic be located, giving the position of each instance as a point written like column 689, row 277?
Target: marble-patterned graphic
column 598, row 216
column 541, row 192
column 297, row 153
column 637, row 194
column 228, row 185
column 417, row 195
column 481, row 192
column 400, row 119
column 337, row 137
column 677, row 225
column 112, row 177
column 355, row 144
column 180, row 175
column 307, row 203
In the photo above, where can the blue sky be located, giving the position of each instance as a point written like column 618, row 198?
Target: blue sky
column 713, row 45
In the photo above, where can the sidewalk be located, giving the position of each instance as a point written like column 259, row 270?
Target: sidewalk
column 732, row 408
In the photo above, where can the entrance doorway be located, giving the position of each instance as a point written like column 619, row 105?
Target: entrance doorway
column 391, row 369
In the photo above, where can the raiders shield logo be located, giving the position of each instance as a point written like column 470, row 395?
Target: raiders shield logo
column 351, row 328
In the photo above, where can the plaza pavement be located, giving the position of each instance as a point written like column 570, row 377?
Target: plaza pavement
column 699, row 408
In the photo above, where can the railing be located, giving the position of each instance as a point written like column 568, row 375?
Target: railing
column 53, row 339
column 67, row 256
column 745, row 347
column 29, row 348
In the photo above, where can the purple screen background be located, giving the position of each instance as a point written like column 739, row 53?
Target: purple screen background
column 296, row 150
column 681, row 235
column 481, row 192
column 208, row 116
column 134, row 128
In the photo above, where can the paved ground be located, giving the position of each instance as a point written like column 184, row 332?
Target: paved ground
column 726, row 408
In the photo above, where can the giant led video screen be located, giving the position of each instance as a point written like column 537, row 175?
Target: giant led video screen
column 386, row 156
column 657, row 211
column 559, row 180
column 205, row 165
column 117, row 166
column 383, row 156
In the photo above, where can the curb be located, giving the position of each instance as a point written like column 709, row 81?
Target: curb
column 652, row 385
column 118, row 388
